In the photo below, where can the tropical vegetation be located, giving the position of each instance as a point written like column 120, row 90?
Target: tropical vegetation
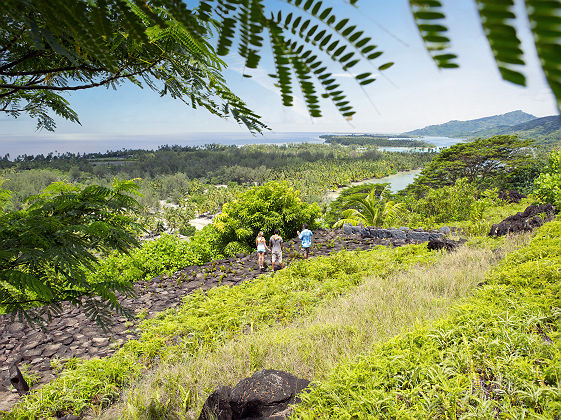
column 48, row 248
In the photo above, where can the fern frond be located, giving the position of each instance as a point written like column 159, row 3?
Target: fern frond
column 497, row 19
column 545, row 18
column 428, row 16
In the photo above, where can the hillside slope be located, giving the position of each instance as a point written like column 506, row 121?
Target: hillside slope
column 545, row 130
column 468, row 128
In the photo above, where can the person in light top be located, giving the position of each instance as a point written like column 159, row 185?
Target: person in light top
column 276, row 244
column 261, row 248
column 306, row 238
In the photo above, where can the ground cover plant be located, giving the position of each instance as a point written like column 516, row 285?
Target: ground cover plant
column 207, row 320
column 497, row 355
column 383, row 305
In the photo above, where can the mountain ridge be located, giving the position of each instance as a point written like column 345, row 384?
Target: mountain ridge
column 468, row 128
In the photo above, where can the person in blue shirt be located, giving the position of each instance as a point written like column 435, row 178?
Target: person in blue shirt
column 306, row 238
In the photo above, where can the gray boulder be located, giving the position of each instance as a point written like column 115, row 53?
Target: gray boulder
column 436, row 236
column 418, row 236
column 445, row 230
column 398, row 234
column 347, row 229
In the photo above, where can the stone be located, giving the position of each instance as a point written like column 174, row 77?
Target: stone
column 445, row 230
column 356, row 229
column 31, row 354
column 51, row 349
column 533, row 217
column 398, row 234
column 436, row 237
column 265, row 395
column 347, row 229
column 447, row 244
column 16, row 327
column 418, row 236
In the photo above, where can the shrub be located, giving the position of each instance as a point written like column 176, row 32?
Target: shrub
column 274, row 205
column 548, row 183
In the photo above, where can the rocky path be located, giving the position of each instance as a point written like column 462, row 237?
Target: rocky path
column 73, row 335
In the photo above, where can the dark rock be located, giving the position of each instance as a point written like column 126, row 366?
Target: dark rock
column 356, row 229
column 217, row 406
column 266, row 394
column 443, row 243
column 511, row 196
column 534, row 216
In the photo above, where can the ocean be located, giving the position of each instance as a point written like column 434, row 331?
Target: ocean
column 43, row 145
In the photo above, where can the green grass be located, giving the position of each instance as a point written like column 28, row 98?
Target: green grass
column 496, row 356
column 383, row 305
column 207, row 320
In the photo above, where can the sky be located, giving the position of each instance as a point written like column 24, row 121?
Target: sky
column 412, row 94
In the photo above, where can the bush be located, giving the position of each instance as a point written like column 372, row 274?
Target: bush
column 548, row 184
column 496, row 356
column 274, row 205
column 461, row 201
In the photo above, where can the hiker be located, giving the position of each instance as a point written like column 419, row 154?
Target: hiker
column 261, row 243
column 276, row 244
column 306, row 239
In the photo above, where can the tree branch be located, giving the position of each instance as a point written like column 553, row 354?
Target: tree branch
column 41, row 72
column 72, row 88
column 31, row 54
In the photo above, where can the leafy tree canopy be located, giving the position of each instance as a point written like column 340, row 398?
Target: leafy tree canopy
column 483, row 162
column 48, row 47
column 274, row 205
column 47, row 249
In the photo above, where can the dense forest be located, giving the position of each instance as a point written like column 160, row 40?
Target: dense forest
column 372, row 140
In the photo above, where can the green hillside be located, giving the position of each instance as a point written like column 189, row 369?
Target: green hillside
column 545, row 130
column 468, row 128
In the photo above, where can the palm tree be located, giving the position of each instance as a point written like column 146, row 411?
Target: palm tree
column 371, row 210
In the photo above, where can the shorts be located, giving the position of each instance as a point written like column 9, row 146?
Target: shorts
column 260, row 251
column 276, row 256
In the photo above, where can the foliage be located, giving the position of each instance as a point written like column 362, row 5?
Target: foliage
column 461, row 201
column 373, row 209
column 165, row 254
column 206, row 320
column 341, row 203
column 498, row 21
column 485, row 163
column 164, row 45
column 47, row 249
column 548, row 183
column 161, row 45
column 496, row 355
column 274, row 205
column 372, row 140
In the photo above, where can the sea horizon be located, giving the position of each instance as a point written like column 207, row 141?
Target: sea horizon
column 15, row 146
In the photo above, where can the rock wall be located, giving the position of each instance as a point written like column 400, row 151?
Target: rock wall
column 403, row 233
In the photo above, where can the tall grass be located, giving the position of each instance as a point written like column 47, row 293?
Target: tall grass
column 310, row 347
column 496, row 356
